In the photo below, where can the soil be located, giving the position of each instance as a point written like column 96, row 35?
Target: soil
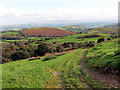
column 109, row 79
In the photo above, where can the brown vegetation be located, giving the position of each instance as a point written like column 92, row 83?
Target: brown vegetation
column 45, row 31
column 89, row 36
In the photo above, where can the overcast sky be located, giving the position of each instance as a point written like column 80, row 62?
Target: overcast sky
column 30, row 11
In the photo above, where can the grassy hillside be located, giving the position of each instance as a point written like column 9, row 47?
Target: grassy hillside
column 61, row 72
column 104, row 57
column 55, row 63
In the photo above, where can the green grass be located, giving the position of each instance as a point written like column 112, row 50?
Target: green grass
column 10, row 33
column 73, row 28
column 38, row 38
column 15, row 40
column 69, row 38
column 73, row 38
column 37, row 74
column 104, row 55
column 64, row 70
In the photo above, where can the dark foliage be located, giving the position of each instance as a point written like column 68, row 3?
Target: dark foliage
column 89, row 36
column 20, row 54
column 42, row 49
column 100, row 40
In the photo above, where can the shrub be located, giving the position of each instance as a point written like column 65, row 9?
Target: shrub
column 117, row 52
column 49, row 58
column 20, row 54
column 42, row 49
column 4, row 60
column 108, row 38
column 100, row 40
column 59, row 48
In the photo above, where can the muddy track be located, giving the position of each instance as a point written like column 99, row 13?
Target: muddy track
column 108, row 79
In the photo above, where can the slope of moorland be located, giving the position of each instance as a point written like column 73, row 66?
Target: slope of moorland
column 46, row 31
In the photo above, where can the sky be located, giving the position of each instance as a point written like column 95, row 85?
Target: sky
column 38, row 11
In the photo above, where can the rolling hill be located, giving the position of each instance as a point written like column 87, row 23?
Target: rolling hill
column 46, row 31
column 104, row 30
column 75, row 28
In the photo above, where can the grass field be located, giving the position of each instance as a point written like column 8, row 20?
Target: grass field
column 63, row 71
column 73, row 38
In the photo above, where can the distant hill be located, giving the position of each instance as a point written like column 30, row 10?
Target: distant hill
column 46, row 31
column 112, row 25
column 24, row 26
column 75, row 28
column 104, row 30
column 55, row 24
column 108, row 29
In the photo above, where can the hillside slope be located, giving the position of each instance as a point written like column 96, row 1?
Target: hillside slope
column 105, row 57
column 64, row 71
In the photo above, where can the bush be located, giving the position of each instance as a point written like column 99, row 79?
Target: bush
column 42, row 49
column 4, row 60
column 117, row 52
column 108, row 38
column 49, row 58
column 100, row 40
column 20, row 54
column 59, row 48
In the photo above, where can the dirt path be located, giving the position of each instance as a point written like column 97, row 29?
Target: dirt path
column 108, row 79
column 54, row 81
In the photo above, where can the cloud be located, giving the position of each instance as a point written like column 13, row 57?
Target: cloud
column 10, row 15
